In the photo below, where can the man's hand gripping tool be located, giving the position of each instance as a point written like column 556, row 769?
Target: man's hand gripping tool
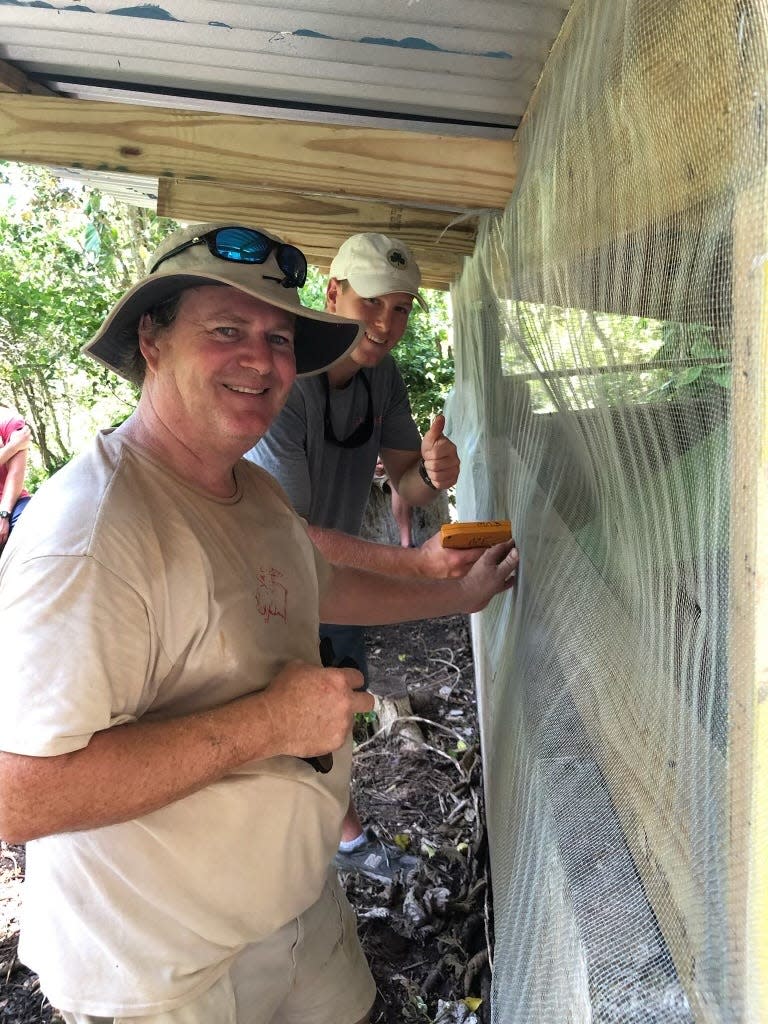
column 324, row 762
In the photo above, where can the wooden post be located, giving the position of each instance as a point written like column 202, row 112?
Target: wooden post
column 748, row 630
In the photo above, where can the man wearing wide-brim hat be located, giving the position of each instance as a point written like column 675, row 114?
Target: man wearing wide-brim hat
column 163, row 697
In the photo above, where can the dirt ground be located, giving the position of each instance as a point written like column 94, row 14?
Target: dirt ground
column 428, row 939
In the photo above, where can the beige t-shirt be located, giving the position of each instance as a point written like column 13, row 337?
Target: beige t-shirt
column 128, row 594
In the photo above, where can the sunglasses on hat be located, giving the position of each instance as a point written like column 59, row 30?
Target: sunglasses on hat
column 246, row 245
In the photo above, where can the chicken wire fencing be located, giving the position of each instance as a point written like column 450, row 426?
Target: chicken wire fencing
column 610, row 351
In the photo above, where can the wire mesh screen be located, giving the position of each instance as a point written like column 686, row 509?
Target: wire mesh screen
column 610, row 401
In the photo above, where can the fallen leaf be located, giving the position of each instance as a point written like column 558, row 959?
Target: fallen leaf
column 403, row 840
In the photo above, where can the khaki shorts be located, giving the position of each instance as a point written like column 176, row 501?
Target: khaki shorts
column 312, row 971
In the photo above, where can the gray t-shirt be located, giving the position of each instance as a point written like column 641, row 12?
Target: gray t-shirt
column 327, row 484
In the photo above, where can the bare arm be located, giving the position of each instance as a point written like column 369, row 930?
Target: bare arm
column 12, row 488
column 430, row 561
column 14, row 481
column 131, row 770
column 403, row 470
column 17, row 442
column 357, row 597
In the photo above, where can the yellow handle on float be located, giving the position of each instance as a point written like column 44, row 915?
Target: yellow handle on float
column 475, row 535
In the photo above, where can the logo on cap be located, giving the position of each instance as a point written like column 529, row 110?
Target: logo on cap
column 397, row 259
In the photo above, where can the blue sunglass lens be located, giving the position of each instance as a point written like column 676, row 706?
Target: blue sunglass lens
column 242, row 246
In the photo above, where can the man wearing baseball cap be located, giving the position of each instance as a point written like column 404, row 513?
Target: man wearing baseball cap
column 323, row 449
column 171, row 749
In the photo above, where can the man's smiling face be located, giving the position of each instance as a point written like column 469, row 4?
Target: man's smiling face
column 221, row 372
column 385, row 318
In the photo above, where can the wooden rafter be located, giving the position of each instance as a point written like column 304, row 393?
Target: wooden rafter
column 456, row 172
column 320, row 223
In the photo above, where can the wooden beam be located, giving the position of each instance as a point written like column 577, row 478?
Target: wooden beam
column 622, row 275
column 374, row 163
column 669, row 133
column 314, row 218
column 13, row 80
column 319, row 224
column 746, row 859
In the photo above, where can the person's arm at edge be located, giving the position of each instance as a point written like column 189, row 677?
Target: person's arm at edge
column 130, row 770
column 12, row 488
column 14, row 481
column 18, row 441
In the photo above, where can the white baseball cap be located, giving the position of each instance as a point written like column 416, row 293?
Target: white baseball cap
column 376, row 264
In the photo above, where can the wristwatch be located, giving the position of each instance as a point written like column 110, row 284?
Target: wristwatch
column 425, row 475
column 4, row 514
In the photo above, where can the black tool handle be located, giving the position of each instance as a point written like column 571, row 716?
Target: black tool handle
column 324, row 762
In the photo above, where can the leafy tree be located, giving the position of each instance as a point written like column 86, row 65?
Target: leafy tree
column 313, row 292
column 65, row 255
column 425, row 358
column 632, row 359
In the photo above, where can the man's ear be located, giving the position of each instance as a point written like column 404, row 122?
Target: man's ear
column 148, row 340
column 332, row 292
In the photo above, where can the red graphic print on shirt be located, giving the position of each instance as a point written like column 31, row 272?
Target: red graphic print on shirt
column 271, row 596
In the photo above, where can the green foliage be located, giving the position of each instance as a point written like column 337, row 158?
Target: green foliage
column 65, row 256
column 313, row 292
column 423, row 355
column 425, row 360
column 632, row 359
column 686, row 342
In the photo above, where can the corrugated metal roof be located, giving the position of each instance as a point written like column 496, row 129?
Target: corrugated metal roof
column 462, row 64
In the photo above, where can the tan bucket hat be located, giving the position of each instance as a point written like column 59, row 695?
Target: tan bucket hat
column 188, row 259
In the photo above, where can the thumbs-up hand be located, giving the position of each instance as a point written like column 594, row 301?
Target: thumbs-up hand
column 441, row 460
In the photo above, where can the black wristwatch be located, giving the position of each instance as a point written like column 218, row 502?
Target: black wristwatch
column 4, row 514
column 425, row 475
